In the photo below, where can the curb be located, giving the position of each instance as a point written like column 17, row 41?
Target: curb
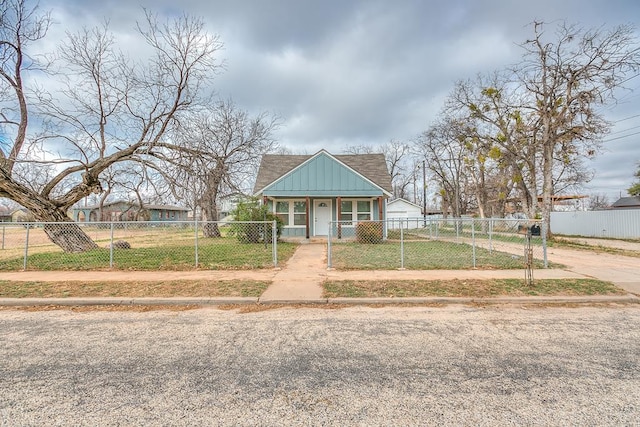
column 16, row 302
column 214, row 301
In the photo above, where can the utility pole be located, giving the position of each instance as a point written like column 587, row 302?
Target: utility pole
column 424, row 192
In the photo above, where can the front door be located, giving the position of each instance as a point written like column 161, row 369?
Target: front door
column 322, row 215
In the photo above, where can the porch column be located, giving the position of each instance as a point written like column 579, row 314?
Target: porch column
column 380, row 208
column 307, row 212
column 339, row 214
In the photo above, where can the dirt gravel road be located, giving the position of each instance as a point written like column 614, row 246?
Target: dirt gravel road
column 357, row 366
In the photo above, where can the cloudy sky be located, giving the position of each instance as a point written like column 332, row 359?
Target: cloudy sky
column 361, row 72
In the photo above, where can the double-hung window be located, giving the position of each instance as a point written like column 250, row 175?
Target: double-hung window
column 292, row 212
column 364, row 210
column 355, row 210
column 282, row 212
column 346, row 211
column 299, row 213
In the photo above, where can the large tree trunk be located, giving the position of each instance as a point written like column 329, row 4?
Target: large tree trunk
column 211, row 228
column 65, row 233
column 61, row 229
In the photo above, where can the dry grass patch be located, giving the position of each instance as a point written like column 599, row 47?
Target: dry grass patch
column 160, row 289
column 108, row 308
column 559, row 242
column 467, row 288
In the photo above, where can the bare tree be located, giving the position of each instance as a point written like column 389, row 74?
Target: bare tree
column 112, row 108
column 226, row 145
column 598, row 201
column 497, row 131
column 568, row 77
column 444, row 156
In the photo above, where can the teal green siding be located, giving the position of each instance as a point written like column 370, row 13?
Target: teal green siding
column 322, row 176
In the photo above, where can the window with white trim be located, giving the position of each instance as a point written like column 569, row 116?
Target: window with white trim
column 282, row 211
column 364, row 210
column 293, row 213
column 355, row 210
column 299, row 213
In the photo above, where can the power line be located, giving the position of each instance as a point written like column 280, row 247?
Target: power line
column 627, row 118
column 620, row 137
column 624, row 130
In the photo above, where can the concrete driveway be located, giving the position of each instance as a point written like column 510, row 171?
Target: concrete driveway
column 358, row 366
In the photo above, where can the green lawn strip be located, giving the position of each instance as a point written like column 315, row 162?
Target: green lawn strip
column 213, row 254
column 467, row 288
column 424, row 255
column 159, row 289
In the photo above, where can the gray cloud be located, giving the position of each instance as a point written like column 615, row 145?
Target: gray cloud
column 363, row 72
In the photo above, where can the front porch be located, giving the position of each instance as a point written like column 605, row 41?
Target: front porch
column 310, row 217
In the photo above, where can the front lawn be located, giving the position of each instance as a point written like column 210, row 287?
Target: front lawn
column 423, row 255
column 213, row 254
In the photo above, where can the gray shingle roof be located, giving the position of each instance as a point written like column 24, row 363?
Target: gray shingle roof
column 627, row 202
column 371, row 166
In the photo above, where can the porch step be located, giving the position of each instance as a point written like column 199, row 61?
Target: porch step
column 317, row 240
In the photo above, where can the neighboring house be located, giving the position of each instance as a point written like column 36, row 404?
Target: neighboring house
column 128, row 211
column 400, row 209
column 309, row 191
column 21, row 215
column 225, row 206
column 632, row 202
column 5, row 214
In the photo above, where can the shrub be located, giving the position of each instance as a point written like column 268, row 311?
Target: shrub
column 250, row 231
column 369, row 232
column 121, row 244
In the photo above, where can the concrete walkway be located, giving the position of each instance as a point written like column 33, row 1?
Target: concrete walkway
column 302, row 277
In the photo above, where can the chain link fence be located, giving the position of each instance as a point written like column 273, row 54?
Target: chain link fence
column 165, row 245
column 436, row 243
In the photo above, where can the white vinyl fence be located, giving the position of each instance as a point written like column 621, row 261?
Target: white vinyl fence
column 619, row 224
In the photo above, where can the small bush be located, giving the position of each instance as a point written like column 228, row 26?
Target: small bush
column 121, row 244
column 254, row 232
column 369, row 232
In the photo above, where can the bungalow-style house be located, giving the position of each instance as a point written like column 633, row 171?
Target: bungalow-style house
column 129, row 211
column 632, row 202
column 309, row 191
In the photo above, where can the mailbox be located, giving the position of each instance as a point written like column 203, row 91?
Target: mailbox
column 532, row 230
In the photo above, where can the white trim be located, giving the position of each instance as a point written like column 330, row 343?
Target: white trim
column 405, row 201
column 354, row 205
column 291, row 212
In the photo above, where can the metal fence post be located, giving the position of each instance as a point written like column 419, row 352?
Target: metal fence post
column 473, row 241
column 544, row 244
column 274, row 242
column 329, row 244
column 26, row 248
column 490, row 235
column 195, row 238
column 401, row 245
column 111, row 248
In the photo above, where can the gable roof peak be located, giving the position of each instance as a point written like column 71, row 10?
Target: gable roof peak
column 372, row 167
